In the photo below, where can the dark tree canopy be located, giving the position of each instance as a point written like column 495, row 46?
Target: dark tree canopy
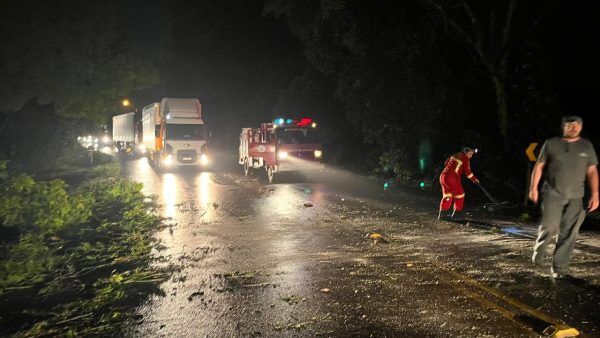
column 437, row 74
column 72, row 54
column 394, row 84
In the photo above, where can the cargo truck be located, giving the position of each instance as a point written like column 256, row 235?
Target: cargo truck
column 174, row 133
column 123, row 134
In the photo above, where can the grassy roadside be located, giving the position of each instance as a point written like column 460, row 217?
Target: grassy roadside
column 74, row 260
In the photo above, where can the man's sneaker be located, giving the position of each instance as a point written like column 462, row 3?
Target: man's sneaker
column 558, row 274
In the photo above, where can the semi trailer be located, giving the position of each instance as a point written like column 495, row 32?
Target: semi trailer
column 123, row 132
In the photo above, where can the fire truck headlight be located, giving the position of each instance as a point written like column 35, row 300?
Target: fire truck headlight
column 168, row 160
column 282, row 155
column 142, row 148
column 318, row 154
column 203, row 159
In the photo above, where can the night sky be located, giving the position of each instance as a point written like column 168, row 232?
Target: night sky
column 222, row 53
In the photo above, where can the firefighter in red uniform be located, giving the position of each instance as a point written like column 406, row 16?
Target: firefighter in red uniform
column 452, row 190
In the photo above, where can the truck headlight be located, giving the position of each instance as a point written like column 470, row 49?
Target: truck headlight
column 203, row 159
column 168, row 160
column 318, row 154
column 105, row 139
column 142, row 148
column 282, row 155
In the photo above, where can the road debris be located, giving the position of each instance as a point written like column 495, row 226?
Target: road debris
column 195, row 294
column 377, row 238
column 293, row 299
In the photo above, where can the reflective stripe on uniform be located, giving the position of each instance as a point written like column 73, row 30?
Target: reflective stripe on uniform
column 458, row 163
column 447, row 195
column 470, row 175
column 459, row 196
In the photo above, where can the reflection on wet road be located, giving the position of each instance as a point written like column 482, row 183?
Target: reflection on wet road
column 222, row 236
column 295, row 258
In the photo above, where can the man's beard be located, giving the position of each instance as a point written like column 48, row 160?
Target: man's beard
column 571, row 135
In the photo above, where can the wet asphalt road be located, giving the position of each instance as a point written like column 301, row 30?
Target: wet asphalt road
column 295, row 259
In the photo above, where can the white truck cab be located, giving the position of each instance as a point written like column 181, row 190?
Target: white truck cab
column 174, row 133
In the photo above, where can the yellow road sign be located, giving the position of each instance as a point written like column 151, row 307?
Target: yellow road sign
column 529, row 152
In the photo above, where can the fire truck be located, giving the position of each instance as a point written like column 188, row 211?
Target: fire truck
column 284, row 145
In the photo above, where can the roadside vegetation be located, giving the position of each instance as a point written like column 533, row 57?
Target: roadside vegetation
column 74, row 260
column 75, row 238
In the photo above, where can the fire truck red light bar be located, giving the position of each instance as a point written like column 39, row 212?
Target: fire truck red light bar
column 302, row 123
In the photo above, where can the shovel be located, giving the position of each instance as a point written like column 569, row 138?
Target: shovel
column 495, row 204
column 487, row 194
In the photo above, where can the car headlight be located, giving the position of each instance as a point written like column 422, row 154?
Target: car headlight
column 203, row 159
column 318, row 154
column 168, row 160
column 282, row 155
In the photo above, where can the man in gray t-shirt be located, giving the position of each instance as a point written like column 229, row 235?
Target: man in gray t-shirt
column 569, row 160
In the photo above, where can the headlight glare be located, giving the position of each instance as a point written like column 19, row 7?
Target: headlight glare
column 203, row 159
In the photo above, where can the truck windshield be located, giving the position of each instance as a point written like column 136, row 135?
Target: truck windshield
column 185, row 132
column 296, row 136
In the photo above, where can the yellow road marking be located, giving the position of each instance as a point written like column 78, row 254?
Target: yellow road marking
column 557, row 327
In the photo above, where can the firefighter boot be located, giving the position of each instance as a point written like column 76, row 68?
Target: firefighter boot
column 444, row 211
column 457, row 215
column 444, row 215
